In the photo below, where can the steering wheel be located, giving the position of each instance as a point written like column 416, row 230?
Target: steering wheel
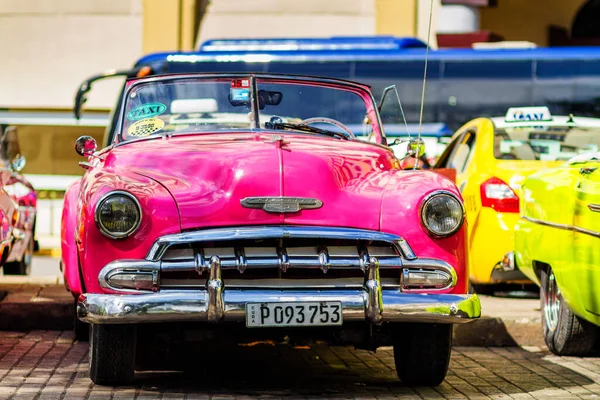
column 349, row 134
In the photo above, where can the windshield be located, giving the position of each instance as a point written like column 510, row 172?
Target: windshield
column 190, row 105
column 546, row 143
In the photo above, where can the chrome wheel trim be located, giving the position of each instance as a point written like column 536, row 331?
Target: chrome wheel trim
column 551, row 302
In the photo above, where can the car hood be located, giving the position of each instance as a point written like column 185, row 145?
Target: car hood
column 515, row 172
column 209, row 174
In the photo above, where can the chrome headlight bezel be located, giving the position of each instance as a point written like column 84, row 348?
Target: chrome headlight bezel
column 423, row 208
column 103, row 229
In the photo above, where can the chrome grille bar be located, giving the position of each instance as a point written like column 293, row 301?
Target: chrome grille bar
column 214, row 286
column 160, row 247
column 242, row 258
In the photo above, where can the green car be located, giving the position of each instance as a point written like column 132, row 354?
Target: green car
column 557, row 245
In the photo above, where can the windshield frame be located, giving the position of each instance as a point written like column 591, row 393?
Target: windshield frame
column 359, row 89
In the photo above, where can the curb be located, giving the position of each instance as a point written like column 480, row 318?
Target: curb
column 28, row 280
column 35, row 303
column 499, row 332
column 36, row 316
column 48, row 252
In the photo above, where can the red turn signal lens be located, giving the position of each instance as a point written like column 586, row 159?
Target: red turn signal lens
column 496, row 194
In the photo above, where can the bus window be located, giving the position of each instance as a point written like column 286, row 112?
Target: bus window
column 331, row 69
column 586, row 98
column 216, row 66
column 408, row 78
column 484, row 88
column 552, row 86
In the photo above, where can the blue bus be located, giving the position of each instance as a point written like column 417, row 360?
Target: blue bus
column 462, row 84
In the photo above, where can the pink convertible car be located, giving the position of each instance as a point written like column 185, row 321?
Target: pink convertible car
column 244, row 206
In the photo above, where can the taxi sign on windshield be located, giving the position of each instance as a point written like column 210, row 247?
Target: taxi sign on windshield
column 526, row 114
column 240, row 90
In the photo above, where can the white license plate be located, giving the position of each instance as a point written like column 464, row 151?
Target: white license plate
column 310, row 313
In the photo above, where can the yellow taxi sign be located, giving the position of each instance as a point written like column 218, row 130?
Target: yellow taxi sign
column 526, row 114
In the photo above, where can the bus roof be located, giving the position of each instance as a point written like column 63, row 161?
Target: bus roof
column 355, row 48
column 337, row 43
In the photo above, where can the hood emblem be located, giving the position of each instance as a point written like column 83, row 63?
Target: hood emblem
column 281, row 204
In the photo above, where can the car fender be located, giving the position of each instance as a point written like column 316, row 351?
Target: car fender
column 160, row 216
column 400, row 215
column 70, row 263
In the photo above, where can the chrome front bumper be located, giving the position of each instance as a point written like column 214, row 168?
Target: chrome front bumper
column 196, row 306
column 215, row 299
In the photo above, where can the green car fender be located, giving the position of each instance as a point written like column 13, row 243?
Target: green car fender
column 557, row 229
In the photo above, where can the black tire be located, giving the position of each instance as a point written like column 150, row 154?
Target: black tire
column 422, row 353
column 23, row 266
column 112, row 354
column 565, row 333
column 80, row 328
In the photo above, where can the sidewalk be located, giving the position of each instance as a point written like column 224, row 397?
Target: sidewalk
column 49, row 245
column 504, row 322
column 43, row 304
column 50, row 365
column 34, row 303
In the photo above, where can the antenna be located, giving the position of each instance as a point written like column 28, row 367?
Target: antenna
column 424, row 78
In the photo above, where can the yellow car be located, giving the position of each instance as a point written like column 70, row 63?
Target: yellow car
column 492, row 157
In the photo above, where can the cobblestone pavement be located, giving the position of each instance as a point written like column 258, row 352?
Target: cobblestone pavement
column 48, row 365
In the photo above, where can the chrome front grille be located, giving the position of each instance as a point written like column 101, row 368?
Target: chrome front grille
column 279, row 257
column 315, row 262
column 282, row 257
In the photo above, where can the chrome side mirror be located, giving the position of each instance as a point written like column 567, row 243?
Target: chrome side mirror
column 18, row 163
column 10, row 149
column 416, row 148
column 85, row 146
column 397, row 142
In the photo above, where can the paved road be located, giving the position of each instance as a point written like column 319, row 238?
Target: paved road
column 48, row 365
column 45, row 266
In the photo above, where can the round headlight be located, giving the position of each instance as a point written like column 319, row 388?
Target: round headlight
column 442, row 214
column 118, row 215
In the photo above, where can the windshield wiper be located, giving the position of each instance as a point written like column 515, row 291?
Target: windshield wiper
column 304, row 128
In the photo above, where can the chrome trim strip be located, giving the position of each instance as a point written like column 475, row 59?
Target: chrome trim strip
column 431, row 263
column 214, row 286
column 281, row 204
column 407, row 251
column 563, row 226
column 373, row 304
column 179, row 306
column 594, row 207
column 189, row 265
column 324, row 260
column 161, row 245
column 118, row 266
column 315, row 284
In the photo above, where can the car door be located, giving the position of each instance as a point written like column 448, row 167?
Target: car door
column 459, row 152
column 586, row 233
column 460, row 157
